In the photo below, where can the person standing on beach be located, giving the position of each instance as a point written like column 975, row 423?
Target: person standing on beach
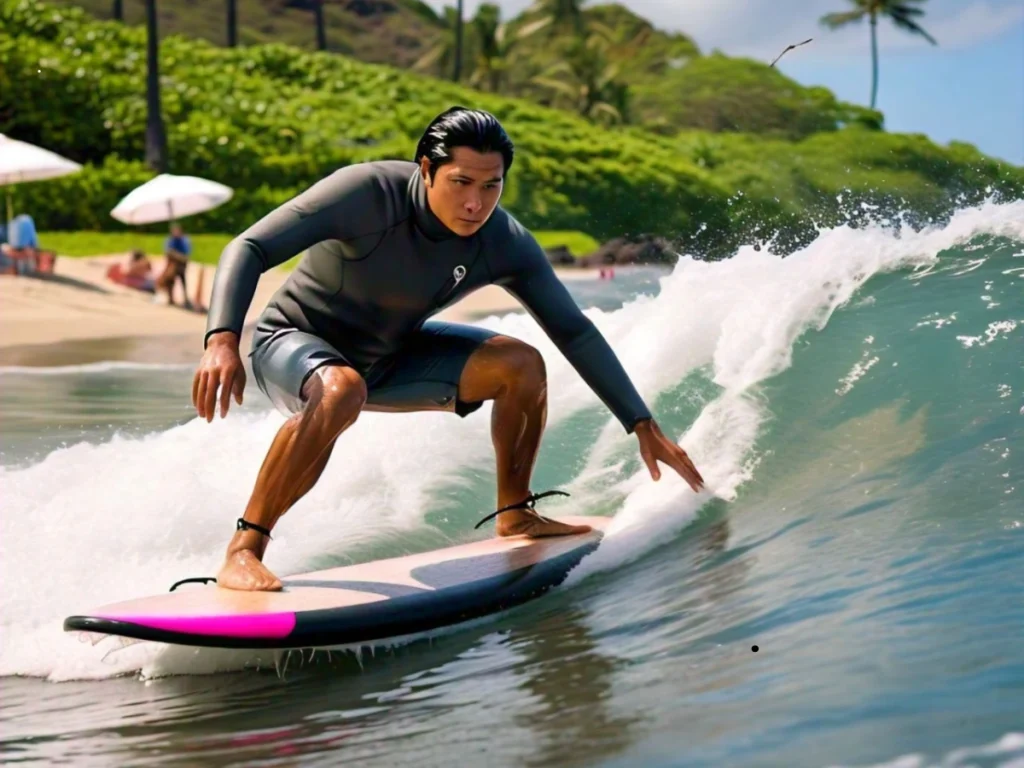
column 387, row 245
column 178, row 250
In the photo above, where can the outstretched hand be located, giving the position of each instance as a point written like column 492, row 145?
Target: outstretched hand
column 221, row 367
column 655, row 447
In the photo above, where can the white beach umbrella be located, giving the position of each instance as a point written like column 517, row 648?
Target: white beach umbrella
column 169, row 197
column 21, row 161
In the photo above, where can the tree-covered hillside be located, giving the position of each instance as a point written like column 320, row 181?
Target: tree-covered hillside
column 270, row 120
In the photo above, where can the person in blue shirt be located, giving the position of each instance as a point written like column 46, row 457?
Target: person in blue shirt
column 178, row 249
column 23, row 232
column 20, row 251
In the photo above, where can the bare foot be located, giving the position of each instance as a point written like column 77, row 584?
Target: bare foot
column 515, row 523
column 243, row 570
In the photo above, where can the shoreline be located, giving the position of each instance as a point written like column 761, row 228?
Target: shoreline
column 77, row 316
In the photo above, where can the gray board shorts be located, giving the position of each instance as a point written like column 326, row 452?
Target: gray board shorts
column 423, row 376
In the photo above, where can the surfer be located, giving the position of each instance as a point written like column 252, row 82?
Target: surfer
column 387, row 245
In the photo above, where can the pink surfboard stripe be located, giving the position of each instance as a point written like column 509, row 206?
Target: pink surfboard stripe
column 253, row 625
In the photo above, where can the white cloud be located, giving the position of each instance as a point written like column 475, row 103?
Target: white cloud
column 762, row 28
column 979, row 22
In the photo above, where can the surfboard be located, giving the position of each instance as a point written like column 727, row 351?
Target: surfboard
column 356, row 603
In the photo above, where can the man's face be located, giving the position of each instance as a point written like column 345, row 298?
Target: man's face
column 176, row 230
column 465, row 192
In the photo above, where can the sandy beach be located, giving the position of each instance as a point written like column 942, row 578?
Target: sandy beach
column 78, row 316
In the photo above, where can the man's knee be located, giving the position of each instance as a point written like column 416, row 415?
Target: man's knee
column 520, row 364
column 339, row 391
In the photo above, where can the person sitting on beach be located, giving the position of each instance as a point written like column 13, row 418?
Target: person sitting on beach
column 139, row 266
column 137, row 274
column 387, row 245
column 7, row 264
column 177, row 249
column 21, row 253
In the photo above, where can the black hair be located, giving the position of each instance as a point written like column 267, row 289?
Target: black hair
column 459, row 126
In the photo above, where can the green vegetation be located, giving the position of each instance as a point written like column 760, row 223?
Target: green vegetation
column 579, row 243
column 560, row 53
column 270, row 120
column 206, row 248
column 718, row 93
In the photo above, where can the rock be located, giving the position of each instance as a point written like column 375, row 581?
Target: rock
column 638, row 249
column 560, row 255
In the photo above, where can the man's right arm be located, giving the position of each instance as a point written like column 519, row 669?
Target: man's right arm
column 330, row 209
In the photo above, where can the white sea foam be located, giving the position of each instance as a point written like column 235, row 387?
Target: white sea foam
column 103, row 367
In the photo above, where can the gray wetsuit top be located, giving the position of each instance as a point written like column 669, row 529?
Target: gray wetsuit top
column 379, row 263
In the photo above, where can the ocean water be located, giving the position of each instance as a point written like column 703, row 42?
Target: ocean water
column 857, row 409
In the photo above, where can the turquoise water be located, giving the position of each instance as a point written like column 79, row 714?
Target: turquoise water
column 857, row 409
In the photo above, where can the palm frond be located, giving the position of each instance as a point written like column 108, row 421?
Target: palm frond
column 607, row 76
column 903, row 11
column 556, row 85
column 835, row 20
column 533, row 27
column 558, row 68
column 605, row 108
column 603, row 30
column 431, row 57
column 641, row 37
column 915, row 28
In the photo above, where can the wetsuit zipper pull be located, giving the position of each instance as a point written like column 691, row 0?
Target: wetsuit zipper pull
column 457, row 276
column 458, row 273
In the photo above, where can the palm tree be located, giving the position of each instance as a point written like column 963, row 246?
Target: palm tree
column 615, row 42
column 556, row 14
column 457, row 74
column 232, row 23
column 317, row 7
column 447, row 51
column 494, row 48
column 321, row 27
column 156, row 138
column 902, row 13
column 589, row 82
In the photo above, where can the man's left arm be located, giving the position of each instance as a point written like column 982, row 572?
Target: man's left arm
column 532, row 280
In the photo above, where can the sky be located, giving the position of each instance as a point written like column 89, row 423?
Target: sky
column 970, row 87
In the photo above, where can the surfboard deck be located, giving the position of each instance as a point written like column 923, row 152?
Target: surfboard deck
column 355, row 603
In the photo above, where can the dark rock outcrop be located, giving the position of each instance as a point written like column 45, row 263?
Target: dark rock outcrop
column 637, row 249
column 561, row 256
